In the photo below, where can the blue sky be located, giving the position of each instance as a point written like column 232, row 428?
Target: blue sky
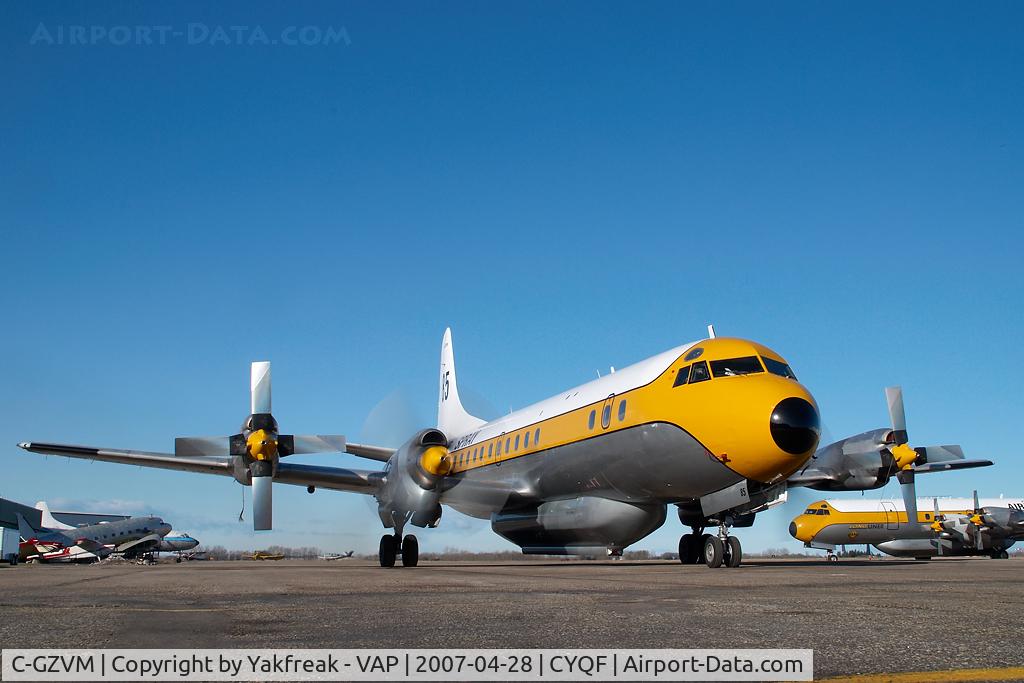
column 568, row 185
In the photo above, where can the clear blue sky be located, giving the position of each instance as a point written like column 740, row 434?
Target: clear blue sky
column 568, row 185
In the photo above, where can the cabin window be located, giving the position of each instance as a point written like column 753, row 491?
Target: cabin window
column 778, row 368
column 682, row 376
column 508, row 442
column 497, row 451
column 622, row 410
column 730, row 367
column 536, row 437
column 490, row 449
column 606, row 416
column 526, row 440
column 590, row 422
column 517, row 442
column 699, row 372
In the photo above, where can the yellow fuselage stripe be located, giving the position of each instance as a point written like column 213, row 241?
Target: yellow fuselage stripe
column 729, row 416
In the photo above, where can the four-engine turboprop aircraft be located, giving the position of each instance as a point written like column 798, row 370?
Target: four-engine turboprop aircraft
column 955, row 526
column 131, row 537
column 716, row 427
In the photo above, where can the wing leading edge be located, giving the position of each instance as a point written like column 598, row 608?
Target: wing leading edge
column 335, row 478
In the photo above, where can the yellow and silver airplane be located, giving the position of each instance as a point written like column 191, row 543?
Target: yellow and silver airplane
column 261, row 555
column 954, row 527
column 718, row 427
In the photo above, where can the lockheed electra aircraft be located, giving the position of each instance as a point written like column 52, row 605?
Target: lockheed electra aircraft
column 719, row 428
column 954, row 526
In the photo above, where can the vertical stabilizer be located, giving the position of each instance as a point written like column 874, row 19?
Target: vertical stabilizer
column 452, row 418
column 48, row 520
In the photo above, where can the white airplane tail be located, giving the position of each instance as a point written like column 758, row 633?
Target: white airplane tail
column 452, row 418
column 48, row 520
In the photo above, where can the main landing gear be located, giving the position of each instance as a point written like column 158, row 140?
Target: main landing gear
column 393, row 545
column 999, row 555
column 715, row 550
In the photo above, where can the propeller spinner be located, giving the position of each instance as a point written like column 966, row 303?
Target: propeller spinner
column 257, row 449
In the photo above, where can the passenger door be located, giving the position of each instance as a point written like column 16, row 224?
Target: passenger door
column 892, row 520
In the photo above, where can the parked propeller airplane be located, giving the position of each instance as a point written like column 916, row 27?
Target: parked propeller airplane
column 959, row 526
column 718, row 427
column 131, row 537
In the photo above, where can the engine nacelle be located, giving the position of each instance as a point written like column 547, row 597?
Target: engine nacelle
column 411, row 479
column 559, row 527
column 862, row 460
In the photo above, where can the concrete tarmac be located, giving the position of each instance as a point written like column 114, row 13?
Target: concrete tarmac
column 859, row 616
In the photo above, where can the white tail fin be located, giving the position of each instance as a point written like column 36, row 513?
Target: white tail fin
column 48, row 520
column 452, row 418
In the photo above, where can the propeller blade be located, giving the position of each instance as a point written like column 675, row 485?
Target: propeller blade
column 288, row 444
column 262, row 503
column 898, row 417
column 909, row 491
column 259, row 387
column 977, row 507
column 202, row 445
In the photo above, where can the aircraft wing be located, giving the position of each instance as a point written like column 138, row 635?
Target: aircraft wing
column 139, row 543
column 336, row 478
column 94, row 547
column 167, row 461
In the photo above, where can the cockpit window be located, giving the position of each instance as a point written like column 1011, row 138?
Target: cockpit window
column 817, row 511
column 777, row 368
column 684, row 374
column 747, row 365
column 699, row 372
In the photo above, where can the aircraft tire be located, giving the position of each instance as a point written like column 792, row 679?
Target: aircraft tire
column 410, row 551
column 733, row 552
column 699, row 555
column 1003, row 555
column 388, row 550
column 688, row 548
column 714, row 552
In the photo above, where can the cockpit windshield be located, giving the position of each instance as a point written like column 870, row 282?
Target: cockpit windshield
column 747, row 365
column 778, row 368
column 816, row 511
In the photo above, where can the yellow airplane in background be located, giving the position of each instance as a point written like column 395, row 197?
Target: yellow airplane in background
column 260, row 555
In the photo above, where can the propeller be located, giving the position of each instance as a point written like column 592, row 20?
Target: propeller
column 968, row 528
column 257, row 449
column 904, row 457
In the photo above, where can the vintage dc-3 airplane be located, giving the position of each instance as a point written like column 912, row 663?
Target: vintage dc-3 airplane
column 131, row 537
column 955, row 526
column 718, row 427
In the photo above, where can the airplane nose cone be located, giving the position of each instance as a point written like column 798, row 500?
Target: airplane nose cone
column 795, row 426
column 792, row 529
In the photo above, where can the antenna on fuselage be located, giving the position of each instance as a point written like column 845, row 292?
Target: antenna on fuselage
column 711, row 331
